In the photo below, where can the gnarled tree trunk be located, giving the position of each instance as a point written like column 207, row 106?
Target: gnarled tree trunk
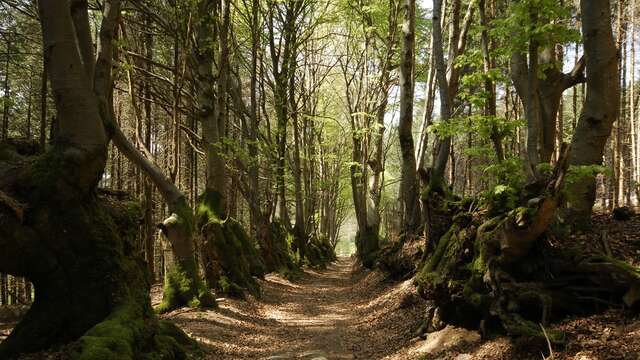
column 76, row 248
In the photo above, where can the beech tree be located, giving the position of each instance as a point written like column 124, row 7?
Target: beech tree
column 601, row 106
column 75, row 246
column 409, row 185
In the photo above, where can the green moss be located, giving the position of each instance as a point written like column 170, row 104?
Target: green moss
column 319, row 253
column 226, row 241
column 231, row 288
column 209, row 208
column 185, row 216
column 180, row 289
column 291, row 274
column 46, row 170
column 124, row 335
column 113, row 338
column 474, row 295
column 443, row 247
column 249, row 248
column 238, row 258
column 275, row 248
column 429, row 274
column 94, row 238
column 516, row 325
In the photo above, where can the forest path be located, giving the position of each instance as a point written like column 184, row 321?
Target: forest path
column 315, row 317
column 315, row 314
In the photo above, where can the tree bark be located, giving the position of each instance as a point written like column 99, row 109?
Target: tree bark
column 489, row 87
column 44, row 97
column 541, row 96
column 410, row 183
column 6, row 98
column 601, row 105
column 448, row 78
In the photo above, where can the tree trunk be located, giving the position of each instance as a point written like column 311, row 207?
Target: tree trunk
column 4, row 133
column 448, row 78
column 43, row 105
column 410, row 184
column 601, row 106
column 179, row 227
column 149, row 230
column 442, row 156
column 489, row 87
column 75, row 247
column 541, row 96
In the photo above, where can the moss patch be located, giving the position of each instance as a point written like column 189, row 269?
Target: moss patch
column 181, row 287
column 232, row 256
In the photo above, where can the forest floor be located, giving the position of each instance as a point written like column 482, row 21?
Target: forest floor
column 346, row 312
column 335, row 313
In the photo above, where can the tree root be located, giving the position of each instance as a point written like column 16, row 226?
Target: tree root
column 131, row 332
column 502, row 271
column 78, row 250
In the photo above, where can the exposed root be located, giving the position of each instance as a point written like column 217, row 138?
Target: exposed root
column 501, row 271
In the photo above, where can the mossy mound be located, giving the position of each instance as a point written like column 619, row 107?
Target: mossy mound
column 179, row 288
column 478, row 282
column 275, row 248
column 400, row 258
column 231, row 258
column 438, row 205
column 319, row 253
column 237, row 258
column 182, row 283
column 78, row 249
column 131, row 330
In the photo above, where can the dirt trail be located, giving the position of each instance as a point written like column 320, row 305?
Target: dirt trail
column 315, row 314
column 324, row 315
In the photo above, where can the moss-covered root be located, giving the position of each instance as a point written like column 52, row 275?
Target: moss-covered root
column 319, row 253
column 237, row 256
column 231, row 258
column 182, row 285
column 274, row 240
column 130, row 333
column 183, row 288
column 516, row 325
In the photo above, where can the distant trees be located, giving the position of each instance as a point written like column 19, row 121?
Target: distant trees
column 249, row 130
column 372, row 37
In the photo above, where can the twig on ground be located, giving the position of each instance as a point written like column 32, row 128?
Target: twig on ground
column 551, row 356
